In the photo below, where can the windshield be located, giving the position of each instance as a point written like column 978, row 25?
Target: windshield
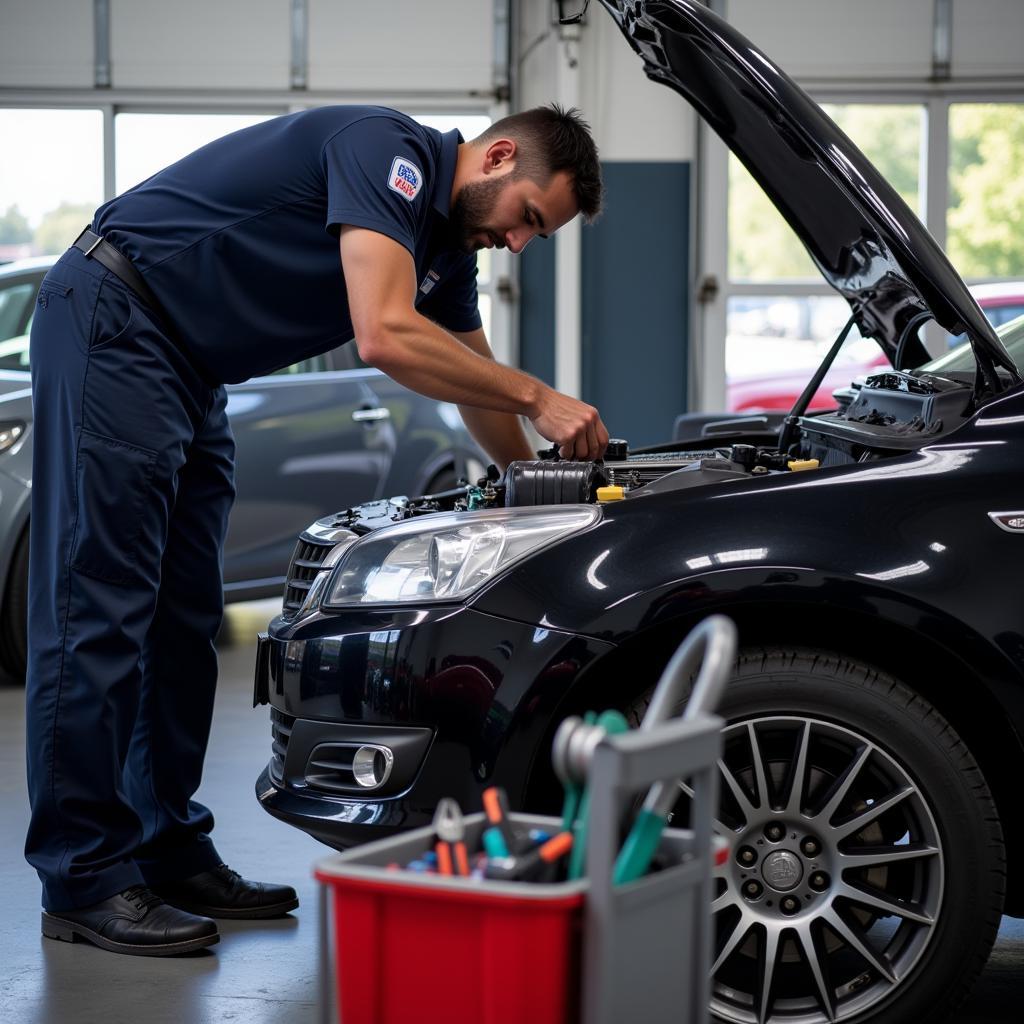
column 961, row 358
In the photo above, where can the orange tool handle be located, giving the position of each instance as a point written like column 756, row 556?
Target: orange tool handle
column 444, row 858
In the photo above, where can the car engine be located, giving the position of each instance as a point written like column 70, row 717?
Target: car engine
column 887, row 415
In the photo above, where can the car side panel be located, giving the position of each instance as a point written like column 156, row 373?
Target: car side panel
column 299, row 450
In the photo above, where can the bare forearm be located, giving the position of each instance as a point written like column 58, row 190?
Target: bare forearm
column 424, row 358
column 500, row 434
column 381, row 281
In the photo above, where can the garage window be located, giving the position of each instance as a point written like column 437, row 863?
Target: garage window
column 781, row 316
column 768, row 314
column 146, row 143
column 985, row 216
column 47, row 196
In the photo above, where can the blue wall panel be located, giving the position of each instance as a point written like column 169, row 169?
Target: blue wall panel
column 537, row 310
column 635, row 300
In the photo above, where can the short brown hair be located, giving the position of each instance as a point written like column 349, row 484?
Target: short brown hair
column 551, row 139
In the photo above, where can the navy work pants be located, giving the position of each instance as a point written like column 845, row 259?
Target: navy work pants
column 132, row 485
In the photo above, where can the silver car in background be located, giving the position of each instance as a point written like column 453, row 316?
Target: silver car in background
column 324, row 433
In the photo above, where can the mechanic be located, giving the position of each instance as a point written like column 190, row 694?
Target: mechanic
column 221, row 267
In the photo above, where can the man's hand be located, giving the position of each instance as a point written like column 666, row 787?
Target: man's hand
column 574, row 426
column 380, row 278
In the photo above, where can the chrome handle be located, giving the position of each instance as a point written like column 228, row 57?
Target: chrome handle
column 371, row 415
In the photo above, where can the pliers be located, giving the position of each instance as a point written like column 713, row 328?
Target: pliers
column 450, row 832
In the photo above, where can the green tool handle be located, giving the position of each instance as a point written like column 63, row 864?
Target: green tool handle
column 570, row 806
column 613, row 724
column 639, row 848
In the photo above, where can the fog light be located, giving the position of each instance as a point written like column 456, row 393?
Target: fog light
column 372, row 766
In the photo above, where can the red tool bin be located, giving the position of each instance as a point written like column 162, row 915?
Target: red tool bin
column 421, row 948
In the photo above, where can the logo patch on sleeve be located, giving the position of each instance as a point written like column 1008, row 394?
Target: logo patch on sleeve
column 405, row 178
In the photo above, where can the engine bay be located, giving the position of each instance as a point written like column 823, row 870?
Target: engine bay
column 886, row 415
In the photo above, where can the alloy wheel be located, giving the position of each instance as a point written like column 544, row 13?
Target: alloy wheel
column 836, row 877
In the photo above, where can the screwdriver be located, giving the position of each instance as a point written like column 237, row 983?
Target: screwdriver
column 529, row 864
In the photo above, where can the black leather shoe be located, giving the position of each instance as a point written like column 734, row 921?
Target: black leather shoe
column 224, row 893
column 136, row 921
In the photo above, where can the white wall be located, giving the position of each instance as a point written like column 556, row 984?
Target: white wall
column 840, row 38
column 46, row 44
column 892, row 39
column 401, row 45
column 196, row 44
column 988, row 37
column 355, row 46
column 633, row 119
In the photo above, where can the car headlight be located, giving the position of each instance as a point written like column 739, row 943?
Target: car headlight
column 447, row 556
column 10, row 432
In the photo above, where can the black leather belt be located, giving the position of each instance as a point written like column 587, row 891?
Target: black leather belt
column 96, row 247
column 99, row 249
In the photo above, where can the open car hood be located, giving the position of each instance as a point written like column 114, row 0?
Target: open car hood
column 863, row 237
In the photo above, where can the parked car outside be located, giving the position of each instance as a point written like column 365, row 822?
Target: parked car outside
column 871, row 558
column 1000, row 301
column 318, row 434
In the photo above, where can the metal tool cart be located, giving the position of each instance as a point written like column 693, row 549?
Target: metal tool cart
column 425, row 947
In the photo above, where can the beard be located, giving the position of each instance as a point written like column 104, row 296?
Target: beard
column 471, row 209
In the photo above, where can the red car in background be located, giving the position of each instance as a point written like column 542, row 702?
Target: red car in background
column 777, row 392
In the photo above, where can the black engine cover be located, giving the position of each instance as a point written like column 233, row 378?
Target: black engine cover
column 552, row 483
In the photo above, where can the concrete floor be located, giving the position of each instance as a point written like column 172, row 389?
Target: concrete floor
column 261, row 972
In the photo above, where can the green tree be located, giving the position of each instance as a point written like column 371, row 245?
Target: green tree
column 985, row 227
column 14, row 227
column 60, row 227
column 762, row 246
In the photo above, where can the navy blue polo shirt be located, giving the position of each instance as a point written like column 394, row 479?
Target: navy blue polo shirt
column 239, row 240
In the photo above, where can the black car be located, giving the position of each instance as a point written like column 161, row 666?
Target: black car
column 871, row 558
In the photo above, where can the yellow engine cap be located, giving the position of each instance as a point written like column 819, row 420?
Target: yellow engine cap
column 611, row 493
column 797, row 464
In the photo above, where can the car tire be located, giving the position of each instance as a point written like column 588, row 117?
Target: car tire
column 845, row 746
column 14, row 616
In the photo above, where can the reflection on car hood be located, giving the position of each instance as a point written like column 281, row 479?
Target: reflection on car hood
column 865, row 240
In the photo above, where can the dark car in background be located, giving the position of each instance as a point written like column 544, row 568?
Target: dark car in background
column 321, row 433
column 871, row 558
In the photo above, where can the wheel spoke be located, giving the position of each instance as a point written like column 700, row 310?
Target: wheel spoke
column 721, row 902
column 738, row 934
column 768, row 959
column 859, row 945
column 747, row 809
column 879, row 901
column 718, row 826
column 813, row 961
column 795, row 798
column 763, row 797
column 856, row 823
column 872, row 857
column 843, row 784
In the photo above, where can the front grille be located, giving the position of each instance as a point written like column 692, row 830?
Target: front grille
column 280, row 731
column 309, row 555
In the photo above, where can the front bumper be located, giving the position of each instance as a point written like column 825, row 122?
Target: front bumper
column 467, row 696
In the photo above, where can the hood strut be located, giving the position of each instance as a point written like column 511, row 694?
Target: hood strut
column 790, row 423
